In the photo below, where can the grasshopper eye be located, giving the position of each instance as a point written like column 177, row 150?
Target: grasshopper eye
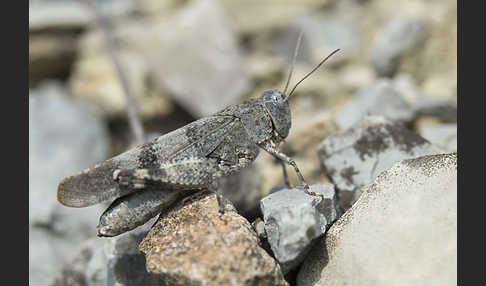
column 277, row 97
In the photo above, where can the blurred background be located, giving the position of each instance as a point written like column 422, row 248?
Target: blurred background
column 182, row 60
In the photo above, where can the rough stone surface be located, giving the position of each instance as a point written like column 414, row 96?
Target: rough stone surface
column 194, row 245
column 400, row 35
column 379, row 98
column 354, row 157
column 402, row 231
column 63, row 139
column 294, row 219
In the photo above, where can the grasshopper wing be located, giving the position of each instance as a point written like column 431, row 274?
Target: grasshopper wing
column 96, row 184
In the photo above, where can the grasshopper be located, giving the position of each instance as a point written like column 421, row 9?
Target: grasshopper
column 192, row 157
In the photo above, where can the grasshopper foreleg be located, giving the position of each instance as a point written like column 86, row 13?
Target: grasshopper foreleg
column 284, row 158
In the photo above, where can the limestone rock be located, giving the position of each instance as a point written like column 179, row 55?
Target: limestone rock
column 402, row 231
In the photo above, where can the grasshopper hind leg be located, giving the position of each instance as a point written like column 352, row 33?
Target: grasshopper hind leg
column 181, row 174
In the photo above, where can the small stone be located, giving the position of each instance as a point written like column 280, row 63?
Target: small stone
column 443, row 135
column 379, row 98
column 194, row 55
column 326, row 32
column 354, row 157
column 194, row 244
column 126, row 265
column 294, row 219
column 243, row 188
column 402, row 231
column 95, row 80
column 400, row 35
column 88, row 267
column 114, row 261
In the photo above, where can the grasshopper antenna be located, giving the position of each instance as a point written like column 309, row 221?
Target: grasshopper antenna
column 313, row 70
column 292, row 63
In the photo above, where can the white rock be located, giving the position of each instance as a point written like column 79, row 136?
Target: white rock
column 402, row 231
column 64, row 138
column 443, row 135
column 194, row 54
column 379, row 98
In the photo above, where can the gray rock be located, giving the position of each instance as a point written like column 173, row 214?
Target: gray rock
column 353, row 158
column 72, row 14
column 400, row 35
column 326, row 32
column 442, row 108
column 442, row 135
column 63, row 139
column 195, row 56
column 380, row 98
column 243, row 189
column 88, row 268
column 193, row 244
column 126, row 264
column 54, row 30
column 294, row 219
column 114, row 261
column 402, row 231
column 61, row 15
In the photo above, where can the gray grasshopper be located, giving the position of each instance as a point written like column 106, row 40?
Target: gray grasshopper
column 150, row 177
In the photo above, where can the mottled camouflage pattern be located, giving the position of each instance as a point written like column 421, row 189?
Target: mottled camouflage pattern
column 231, row 138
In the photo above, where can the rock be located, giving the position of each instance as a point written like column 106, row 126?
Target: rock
column 401, row 35
column 63, row 139
column 96, row 82
column 257, row 16
column 402, row 231
column 306, row 133
column 195, row 245
column 243, row 189
column 443, row 108
column 443, row 135
column 126, row 265
column 194, row 55
column 88, row 268
column 354, row 157
column 325, row 32
column 54, row 31
column 114, row 261
column 294, row 219
column 59, row 15
column 380, row 98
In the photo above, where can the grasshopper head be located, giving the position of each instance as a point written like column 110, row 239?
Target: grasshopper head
column 278, row 108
